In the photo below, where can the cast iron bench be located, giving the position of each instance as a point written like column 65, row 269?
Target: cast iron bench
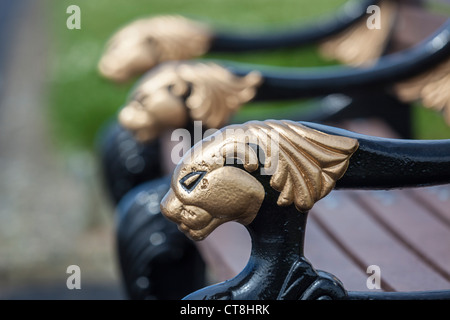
column 348, row 231
column 159, row 39
column 117, row 64
column 343, row 36
column 343, row 228
column 147, row 196
column 276, row 84
column 120, row 163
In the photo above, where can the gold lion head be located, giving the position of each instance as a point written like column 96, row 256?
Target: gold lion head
column 144, row 43
column 304, row 166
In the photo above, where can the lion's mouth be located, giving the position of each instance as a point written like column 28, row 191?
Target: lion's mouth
column 198, row 233
column 187, row 214
column 194, row 220
column 135, row 118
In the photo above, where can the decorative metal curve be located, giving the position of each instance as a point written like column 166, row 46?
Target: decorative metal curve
column 144, row 43
column 305, row 34
column 418, row 73
column 393, row 163
column 304, row 165
column 176, row 91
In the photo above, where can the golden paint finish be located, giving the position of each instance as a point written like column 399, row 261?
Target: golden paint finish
column 205, row 193
column 431, row 87
column 168, row 95
column 145, row 43
column 359, row 45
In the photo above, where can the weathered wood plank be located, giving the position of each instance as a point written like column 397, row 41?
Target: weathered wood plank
column 372, row 244
column 325, row 255
column 436, row 200
column 411, row 225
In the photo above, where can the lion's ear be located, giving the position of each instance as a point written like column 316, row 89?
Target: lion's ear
column 431, row 88
column 180, row 88
column 360, row 45
column 243, row 152
column 307, row 163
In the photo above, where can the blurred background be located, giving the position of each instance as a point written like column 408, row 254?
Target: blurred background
column 53, row 209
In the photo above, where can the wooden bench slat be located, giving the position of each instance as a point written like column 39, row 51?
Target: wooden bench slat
column 436, row 200
column 420, row 231
column 325, row 255
column 372, row 244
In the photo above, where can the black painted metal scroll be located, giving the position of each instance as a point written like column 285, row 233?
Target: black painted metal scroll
column 351, row 13
column 292, row 83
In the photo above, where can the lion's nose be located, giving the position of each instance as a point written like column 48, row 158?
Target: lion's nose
column 134, row 116
column 171, row 207
column 109, row 68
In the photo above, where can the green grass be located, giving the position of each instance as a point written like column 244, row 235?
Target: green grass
column 82, row 101
column 429, row 124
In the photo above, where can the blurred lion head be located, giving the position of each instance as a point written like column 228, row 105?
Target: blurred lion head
column 144, row 43
column 177, row 92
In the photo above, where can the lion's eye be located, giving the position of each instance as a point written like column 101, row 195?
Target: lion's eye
column 190, row 181
column 140, row 97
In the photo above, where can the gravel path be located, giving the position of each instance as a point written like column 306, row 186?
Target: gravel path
column 52, row 211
